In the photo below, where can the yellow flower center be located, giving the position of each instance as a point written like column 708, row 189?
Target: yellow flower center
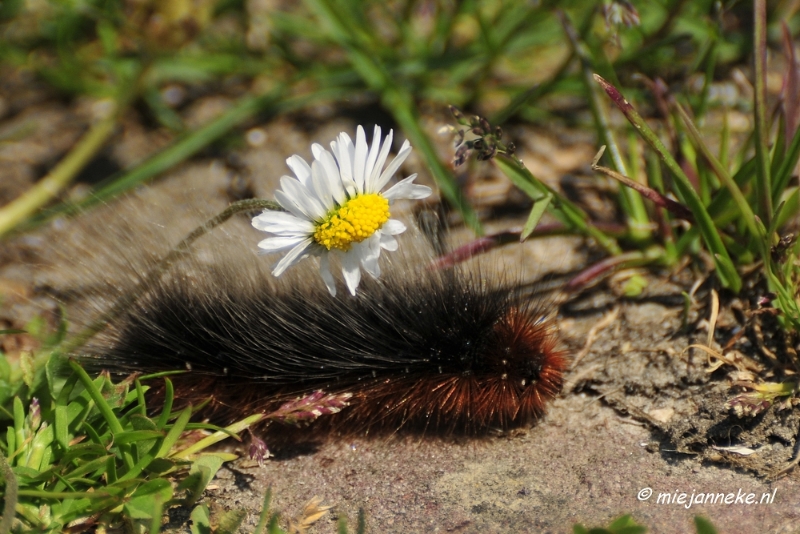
column 354, row 221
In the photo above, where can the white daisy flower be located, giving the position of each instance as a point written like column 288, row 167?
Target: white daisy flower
column 335, row 206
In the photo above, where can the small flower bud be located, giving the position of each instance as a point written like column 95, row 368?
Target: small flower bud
column 258, row 449
column 34, row 415
column 458, row 115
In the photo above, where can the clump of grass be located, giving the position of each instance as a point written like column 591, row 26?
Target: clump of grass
column 88, row 453
column 687, row 201
column 740, row 211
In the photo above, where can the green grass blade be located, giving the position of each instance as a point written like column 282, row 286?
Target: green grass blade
column 218, row 436
column 535, row 216
column 166, row 410
column 264, row 515
column 564, row 210
column 738, row 197
column 175, row 432
column 137, row 435
column 703, row 525
column 17, row 456
column 141, row 404
column 201, row 520
column 361, row 525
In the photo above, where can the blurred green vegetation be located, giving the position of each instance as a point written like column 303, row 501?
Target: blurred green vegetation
column 508, row 60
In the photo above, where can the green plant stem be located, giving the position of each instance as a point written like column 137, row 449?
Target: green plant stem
column 561, row 208
column 155, row 273
column 725, row 268
column 41, row 494
column 764, row 187
column 57, row 179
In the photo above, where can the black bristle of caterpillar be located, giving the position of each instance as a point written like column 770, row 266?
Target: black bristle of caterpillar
column 429, row 351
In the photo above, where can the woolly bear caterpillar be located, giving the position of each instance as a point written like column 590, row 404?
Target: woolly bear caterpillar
column 420, row 350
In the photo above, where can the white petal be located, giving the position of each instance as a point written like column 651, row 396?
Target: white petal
column 388, row 242
column 301, row 169
column 301, row 197
column 405, row 150
column 370, row 252
column 342, row 150
column 317, row 150
column 335, row 178
column 351, row 270
column 321, row 182
column 293, row 256
column 277, row 244
column 360, row 159
column 289, row 205
column 376, row 170
column 282, row 223
column 372, row 157
column 393, row 227
column 406, row 189
column 325, row 272
column 292, row 207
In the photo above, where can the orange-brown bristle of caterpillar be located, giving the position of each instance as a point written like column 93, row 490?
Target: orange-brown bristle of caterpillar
column 433, row 353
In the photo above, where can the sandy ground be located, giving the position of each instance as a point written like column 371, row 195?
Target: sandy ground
column 636, row 413
column 583, row 463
